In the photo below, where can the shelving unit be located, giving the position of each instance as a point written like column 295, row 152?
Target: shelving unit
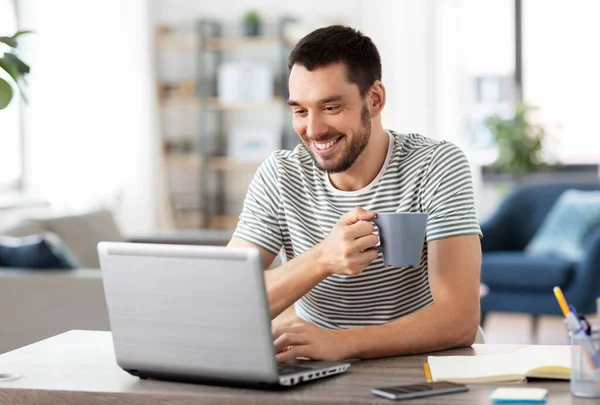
column 206, row 185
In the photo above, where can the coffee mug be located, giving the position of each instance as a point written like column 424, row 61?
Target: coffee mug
column 401, row 237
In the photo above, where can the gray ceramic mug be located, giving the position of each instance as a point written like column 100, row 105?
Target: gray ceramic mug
column 401, row 237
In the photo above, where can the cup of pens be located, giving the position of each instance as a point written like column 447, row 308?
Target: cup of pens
column 585, row 376
column 585, row 350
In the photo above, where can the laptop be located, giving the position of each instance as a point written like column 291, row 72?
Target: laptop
column 195, row 314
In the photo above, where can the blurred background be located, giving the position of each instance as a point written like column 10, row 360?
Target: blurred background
column 158, row 112
column 162, row 109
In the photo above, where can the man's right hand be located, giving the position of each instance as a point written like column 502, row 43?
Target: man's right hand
column 348, row 249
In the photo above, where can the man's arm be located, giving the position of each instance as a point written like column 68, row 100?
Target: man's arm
column 290, row 281
column 454, row 271
column 348, row 249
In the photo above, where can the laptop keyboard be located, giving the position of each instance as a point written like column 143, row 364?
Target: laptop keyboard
column 285, row 368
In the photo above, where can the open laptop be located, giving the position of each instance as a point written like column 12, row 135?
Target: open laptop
column 197, row 314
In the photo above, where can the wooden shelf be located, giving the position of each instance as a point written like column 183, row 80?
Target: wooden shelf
column 181, row 88
column 215, row 104
column 223, row 221
column 226, row 43
column 167, row 39
column 189, row 221
column 192, row 161
column 183, row 160
column 191, row 42
column 224, row 163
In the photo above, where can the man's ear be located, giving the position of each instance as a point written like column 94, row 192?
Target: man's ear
column 376, row 98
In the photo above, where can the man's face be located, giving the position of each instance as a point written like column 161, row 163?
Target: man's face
column 330, row 117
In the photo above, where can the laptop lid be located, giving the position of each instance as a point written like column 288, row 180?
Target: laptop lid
column 188, row 311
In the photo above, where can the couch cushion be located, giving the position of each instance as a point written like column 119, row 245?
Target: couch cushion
column 44, row 251
column 23, row 228
column 563, row 233
column 81, row 233
column 516, row 270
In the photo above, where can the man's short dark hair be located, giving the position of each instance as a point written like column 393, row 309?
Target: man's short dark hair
column 335, row 44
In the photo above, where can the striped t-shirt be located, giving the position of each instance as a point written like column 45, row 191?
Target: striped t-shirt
column 292, row 206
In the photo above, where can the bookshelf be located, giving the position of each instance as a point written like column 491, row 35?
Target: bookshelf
column 206, row 184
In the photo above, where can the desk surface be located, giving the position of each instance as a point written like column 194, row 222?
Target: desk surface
column 78, row 367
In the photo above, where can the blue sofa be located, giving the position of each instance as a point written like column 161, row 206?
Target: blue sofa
column 521, row 283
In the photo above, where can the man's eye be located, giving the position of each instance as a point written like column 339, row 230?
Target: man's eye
column 332, row 108
column 299, row 112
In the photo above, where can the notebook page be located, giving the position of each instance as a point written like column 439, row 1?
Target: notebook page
column 507, row 367
column 490, row 367
column 553, row 360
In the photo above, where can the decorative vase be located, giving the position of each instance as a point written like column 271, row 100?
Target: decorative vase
column 252, row 28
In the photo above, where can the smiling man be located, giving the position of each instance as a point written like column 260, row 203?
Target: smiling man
column 312, row 204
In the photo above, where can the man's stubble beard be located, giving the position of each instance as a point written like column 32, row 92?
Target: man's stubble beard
column 354, row 150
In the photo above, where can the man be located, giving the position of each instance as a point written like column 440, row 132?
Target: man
column 314, row 203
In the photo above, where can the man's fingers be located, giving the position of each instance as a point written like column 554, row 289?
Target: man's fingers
column 292, row 326
column 365, row 242
column 292, row 354
column 367, row 256
column 287, row 339
column 357, row 214
column 359, row 229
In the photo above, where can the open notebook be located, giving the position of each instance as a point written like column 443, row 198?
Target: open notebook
column 516, row 366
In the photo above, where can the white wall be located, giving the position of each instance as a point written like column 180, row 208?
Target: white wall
column 90, row 126
column 402, row 31
column 10, row 146
column 169, row 11
column 92, row 123
column 561, row 74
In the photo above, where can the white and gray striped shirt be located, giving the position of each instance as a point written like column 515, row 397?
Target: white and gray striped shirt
column 291, row 205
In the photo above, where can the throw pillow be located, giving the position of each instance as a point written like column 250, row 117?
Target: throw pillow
column 81, row 233
column 562, row 234
column 44, row 251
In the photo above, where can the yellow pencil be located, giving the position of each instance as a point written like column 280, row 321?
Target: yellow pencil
column 427, row 372
column 561, row 301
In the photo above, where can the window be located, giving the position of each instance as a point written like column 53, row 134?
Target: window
column 561, row 68
column 11, row 156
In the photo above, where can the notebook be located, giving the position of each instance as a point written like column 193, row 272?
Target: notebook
column 532, row 361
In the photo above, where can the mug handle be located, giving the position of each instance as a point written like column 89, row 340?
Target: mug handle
column 374, row 221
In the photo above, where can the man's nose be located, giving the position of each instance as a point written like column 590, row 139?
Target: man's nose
column 316, row 126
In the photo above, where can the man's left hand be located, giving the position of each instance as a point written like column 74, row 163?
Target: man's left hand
column 298, row 338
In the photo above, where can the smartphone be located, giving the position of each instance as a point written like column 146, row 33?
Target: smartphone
column 419, row 390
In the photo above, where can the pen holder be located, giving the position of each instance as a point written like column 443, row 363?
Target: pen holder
column 585, row 381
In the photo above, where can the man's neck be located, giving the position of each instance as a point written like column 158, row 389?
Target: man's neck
column 367, row 166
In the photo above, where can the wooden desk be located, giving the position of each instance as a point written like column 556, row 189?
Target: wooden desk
column 78, row 367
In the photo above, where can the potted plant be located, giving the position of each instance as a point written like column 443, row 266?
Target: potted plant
column 519, row 142
column 13, row 70
column 251, row 23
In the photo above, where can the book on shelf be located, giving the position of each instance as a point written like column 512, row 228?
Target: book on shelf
column 539, row 361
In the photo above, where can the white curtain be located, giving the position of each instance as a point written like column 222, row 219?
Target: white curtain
column 91, row 135
column 10, row 131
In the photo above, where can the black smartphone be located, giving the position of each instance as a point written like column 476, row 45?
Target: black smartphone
column 419, row 390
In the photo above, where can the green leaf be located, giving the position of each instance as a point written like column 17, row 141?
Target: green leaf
column 17, row 70
column 12, row 41
column 19, row 33
column 6, row 93
column 9, row 41
column 14, row 60
column 9, row 68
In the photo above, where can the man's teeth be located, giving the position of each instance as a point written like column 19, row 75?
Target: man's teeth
column 323, row 146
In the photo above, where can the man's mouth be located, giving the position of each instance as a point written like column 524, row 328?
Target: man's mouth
column 326, row 147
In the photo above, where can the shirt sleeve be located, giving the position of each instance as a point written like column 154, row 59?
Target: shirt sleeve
column 258, row 222
column 448, row 195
